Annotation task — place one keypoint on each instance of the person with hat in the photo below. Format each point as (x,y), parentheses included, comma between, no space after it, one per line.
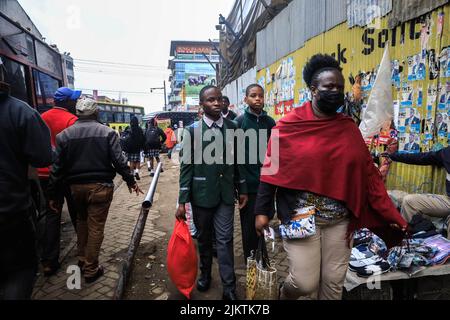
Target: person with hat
(59,118)
(88,156)
(24,142)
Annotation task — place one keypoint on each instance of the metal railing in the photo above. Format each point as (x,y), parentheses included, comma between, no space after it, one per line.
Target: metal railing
(136,237)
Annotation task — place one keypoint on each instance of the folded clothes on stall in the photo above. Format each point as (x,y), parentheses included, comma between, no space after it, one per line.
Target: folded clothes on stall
(361,252)
(422,227)
(362,236)
(442,247)
(365,259)
(377,268)
(370,255)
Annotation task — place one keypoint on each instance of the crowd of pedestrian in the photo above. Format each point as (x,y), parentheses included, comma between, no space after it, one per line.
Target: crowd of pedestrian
(76,159)
(312,161)
(317,164)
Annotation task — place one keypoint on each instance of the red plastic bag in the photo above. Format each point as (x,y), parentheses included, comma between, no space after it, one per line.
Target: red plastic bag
(182,259)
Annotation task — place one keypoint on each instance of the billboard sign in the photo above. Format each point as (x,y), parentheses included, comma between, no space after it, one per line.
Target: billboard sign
(197,76)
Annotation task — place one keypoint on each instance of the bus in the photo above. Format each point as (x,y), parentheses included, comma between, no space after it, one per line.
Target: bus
(34,70)
(117,116)
(181,119)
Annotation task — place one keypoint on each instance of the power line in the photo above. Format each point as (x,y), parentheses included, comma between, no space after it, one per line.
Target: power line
(98,62)
(118,72)
(122,91)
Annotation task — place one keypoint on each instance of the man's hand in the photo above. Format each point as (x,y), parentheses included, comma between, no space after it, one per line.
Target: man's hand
(181,212)
(243,201)
(135,188)
(55,206)
(261,223)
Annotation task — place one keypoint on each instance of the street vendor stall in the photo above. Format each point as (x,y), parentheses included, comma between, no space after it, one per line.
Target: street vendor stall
(417,269)
(381,287)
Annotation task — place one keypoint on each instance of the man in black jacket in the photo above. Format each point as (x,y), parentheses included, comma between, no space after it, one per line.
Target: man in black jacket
(432,205)
(24,141)
(88,157)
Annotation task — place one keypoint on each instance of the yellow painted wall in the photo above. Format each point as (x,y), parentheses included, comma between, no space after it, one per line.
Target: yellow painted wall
(350,45)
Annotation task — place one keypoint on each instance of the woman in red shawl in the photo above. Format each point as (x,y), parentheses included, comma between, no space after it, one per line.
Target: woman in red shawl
(318,159)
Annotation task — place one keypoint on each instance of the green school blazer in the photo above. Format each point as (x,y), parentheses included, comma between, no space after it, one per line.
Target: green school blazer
(207,185)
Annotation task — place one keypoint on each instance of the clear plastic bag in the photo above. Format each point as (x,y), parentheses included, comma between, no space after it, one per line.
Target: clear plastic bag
(262,280)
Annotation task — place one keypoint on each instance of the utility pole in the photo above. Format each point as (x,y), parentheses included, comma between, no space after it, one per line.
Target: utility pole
(165,93)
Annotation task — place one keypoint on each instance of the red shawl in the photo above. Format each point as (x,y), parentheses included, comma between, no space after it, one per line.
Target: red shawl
(329,157)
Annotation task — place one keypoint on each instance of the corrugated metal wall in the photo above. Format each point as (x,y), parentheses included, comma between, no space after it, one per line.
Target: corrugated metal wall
(299,22)
(360,12)
(287,36)
(236,89)
(350,45)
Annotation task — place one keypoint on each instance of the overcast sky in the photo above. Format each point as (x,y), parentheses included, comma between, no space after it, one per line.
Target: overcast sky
(132,32)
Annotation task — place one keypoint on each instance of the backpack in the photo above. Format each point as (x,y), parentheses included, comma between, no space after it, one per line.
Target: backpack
(125,141)
(153,138)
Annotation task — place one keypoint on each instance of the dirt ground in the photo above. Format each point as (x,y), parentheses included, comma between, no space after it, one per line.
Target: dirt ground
(149,279)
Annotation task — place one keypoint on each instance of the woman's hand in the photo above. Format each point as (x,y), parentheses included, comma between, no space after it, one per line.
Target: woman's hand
(261,223)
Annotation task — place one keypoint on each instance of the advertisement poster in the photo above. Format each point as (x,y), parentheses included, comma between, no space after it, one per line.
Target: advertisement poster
(197,76)
(413,121)
(396,73)
(396,113)
(433,64)
(417,67)
(304,95)
(407,94)
(444,62)
(410,143)
(420,96)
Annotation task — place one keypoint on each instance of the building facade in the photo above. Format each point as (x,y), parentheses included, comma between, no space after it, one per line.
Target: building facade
(69,72)
(356,33)
(34,69)
(193,65)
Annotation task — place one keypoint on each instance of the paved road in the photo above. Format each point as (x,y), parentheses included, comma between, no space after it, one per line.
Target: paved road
(122,218)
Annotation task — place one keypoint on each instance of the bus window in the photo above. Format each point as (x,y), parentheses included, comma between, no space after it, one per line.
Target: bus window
(105,117)
(127,118)
(118,117)
(102,117)
(46,87)
(15,76)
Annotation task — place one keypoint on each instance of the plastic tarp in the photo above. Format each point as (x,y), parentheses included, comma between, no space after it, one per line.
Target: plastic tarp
(239,52)
(405,10)
(380,107)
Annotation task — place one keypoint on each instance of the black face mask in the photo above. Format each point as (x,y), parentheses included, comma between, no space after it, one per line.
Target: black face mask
(330,101)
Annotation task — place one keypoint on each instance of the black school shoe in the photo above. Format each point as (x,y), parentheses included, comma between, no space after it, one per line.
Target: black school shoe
(204,283)
(230,296)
